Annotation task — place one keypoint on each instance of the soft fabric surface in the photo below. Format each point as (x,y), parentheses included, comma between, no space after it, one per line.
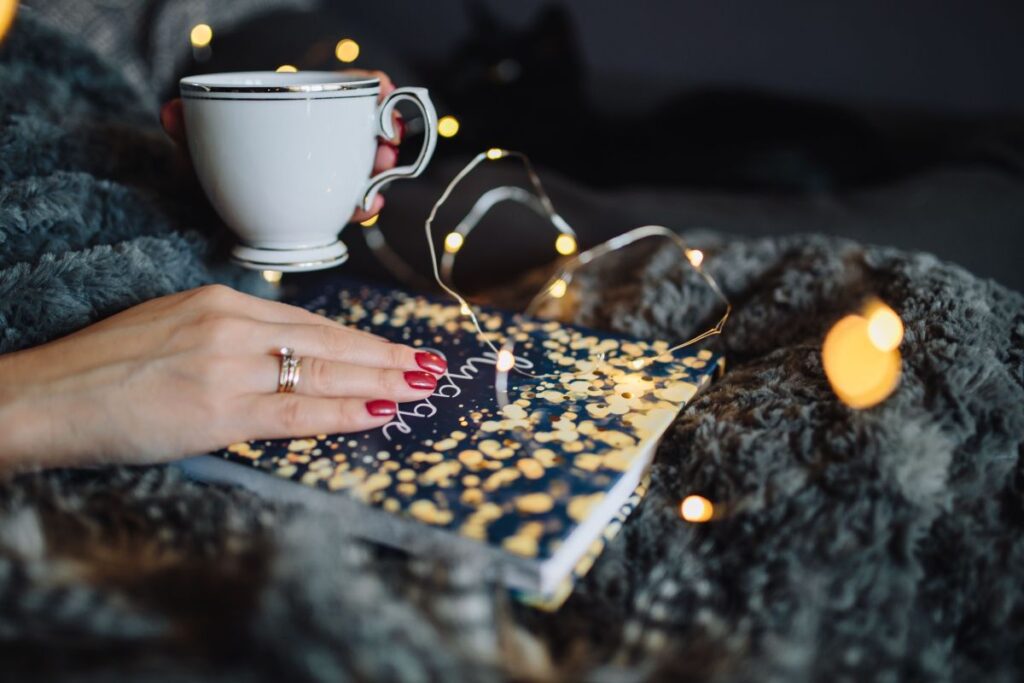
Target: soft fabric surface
(880,544)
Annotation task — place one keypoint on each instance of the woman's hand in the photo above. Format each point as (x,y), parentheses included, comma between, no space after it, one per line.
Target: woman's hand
(173,120)
(195,371)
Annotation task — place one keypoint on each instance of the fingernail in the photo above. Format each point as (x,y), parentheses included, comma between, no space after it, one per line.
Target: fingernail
(420,380)
(381,408)
(400,129)
(431,361)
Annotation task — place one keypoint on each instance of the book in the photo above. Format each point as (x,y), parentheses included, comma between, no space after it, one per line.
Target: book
(534,470)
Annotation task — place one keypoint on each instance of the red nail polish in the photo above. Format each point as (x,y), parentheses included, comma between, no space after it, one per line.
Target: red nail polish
(381,408)
(418,379)
(431,361)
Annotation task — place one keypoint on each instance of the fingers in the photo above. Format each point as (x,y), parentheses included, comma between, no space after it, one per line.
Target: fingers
(386,158)
(277,416)
(359,216)
(340,345)
(172,118)
(325,378)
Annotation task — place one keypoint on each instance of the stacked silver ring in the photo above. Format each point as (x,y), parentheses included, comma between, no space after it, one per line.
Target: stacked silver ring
(288,375)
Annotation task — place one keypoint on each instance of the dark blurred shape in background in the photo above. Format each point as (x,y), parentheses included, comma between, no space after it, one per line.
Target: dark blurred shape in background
(896,123)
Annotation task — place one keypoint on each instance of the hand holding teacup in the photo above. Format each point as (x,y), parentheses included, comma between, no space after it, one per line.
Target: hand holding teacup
(285,158)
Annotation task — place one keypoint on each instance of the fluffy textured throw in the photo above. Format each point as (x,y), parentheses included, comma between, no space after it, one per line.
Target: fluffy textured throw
(855,545)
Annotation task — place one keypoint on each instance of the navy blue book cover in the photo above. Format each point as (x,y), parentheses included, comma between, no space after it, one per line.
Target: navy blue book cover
(518,466)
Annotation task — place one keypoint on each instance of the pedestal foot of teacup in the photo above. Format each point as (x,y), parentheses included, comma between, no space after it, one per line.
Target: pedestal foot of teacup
(290,260)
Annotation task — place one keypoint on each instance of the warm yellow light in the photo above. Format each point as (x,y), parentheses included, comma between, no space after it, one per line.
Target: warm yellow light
(453,242)
(638,363)
(565,245)
(8,8)
(371,221)
(447,126)
(272,276)
(558,288)
(696,509)
(696,257)
(201,35)
(464,309)
(885,329)
(861,374)
(347,50)
(495,153)
(506,361)
(286,69)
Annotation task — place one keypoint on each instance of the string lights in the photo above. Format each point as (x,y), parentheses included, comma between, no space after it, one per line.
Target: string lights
(201,35)
(565,244)
(447,126)
(861,355)
(8,8)
(346,51)
(696,509)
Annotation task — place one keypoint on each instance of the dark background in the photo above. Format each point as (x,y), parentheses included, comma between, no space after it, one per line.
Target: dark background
(893,123)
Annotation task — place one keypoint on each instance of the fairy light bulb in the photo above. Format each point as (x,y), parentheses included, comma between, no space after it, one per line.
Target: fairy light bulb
(447,126)
(464,309)
(371,221)
(286,69)
(885,329)
(505,361)
(453,242)
(860,372)
(347,50)
(565,245)
(201,35)
(272,276)
(8,8)
(695,256)
(495,153)
(558,288)
(696,509)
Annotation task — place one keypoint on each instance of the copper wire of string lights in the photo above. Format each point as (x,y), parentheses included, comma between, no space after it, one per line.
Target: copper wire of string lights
(556,284)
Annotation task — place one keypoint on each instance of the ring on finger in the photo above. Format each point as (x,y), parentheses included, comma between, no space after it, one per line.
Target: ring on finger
(289,371)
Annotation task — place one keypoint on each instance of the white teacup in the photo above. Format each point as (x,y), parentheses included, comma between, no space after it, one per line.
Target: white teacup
(286,158)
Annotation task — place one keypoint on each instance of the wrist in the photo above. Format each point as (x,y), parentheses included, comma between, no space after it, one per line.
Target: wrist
(23,424)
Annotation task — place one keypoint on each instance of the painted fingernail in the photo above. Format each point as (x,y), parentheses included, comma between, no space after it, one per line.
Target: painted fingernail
(418,379)
(381,408)
(431,361)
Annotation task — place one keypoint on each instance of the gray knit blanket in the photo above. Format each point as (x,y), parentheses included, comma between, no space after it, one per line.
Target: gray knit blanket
(883,544)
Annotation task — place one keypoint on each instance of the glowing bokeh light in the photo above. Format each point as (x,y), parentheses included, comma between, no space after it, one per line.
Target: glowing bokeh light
(453,242)
(558,288)
(347,50)
(272,276)
(201,35)
(371,221)
(505,361)
(861,374)
(464,309)
(286,69)
(447,126)
(8,8)
(696,509)
(885,329)
(565,245)
(495,153)
(696,257)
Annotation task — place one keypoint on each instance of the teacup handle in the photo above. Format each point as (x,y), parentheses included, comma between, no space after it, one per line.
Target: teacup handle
(386,129)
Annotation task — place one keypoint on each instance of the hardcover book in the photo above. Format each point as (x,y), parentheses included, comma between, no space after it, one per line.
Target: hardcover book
(535,469)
